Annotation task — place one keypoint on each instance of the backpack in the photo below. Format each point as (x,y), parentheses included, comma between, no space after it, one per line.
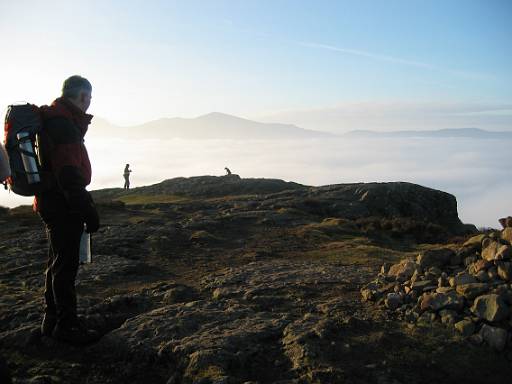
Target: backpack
(23,142)
(5,168)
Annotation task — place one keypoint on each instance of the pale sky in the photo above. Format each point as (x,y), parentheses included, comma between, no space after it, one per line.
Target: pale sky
(330,65)
(326,65)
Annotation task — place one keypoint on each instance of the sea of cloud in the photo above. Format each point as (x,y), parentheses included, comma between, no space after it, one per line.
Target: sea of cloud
(477,172)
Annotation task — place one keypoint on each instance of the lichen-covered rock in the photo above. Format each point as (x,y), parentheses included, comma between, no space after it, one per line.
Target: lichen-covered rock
(490,307)
(495,337)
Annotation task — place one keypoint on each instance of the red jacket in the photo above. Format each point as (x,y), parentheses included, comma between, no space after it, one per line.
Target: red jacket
(67,158)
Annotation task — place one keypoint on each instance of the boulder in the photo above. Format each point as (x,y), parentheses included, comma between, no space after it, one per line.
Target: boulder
(504,252)
(480,265)
(504,270)
(482,276)
(426,318)
(437,301)
(490,307)
(494,250)
(385,268)
(369,294)
(472,290)
(489,249)
(492,273)
(468,260)
(423,285)
(461,279)
(506,222)
(456,259)
(435,258)
(466,327)
(448,316)
(402,271)
(495,337)
(444,289)
(393,301)
(506,234)
(474,242)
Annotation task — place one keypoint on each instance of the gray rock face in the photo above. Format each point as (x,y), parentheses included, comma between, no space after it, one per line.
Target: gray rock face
(490,307)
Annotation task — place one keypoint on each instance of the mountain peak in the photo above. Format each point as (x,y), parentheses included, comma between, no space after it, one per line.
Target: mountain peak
(217,116)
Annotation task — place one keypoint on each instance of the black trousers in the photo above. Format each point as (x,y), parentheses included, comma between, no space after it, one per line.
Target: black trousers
(64,234)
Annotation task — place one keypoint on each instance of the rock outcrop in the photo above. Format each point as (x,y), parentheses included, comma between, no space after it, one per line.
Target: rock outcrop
(426,209)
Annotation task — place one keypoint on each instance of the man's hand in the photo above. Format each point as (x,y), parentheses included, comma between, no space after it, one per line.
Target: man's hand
(92,220)
(80,201)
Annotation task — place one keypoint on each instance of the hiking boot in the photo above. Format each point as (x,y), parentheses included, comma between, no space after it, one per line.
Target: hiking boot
(48,324)
(75,333)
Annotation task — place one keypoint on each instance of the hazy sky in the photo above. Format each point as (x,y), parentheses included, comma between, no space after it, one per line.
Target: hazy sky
(332,65)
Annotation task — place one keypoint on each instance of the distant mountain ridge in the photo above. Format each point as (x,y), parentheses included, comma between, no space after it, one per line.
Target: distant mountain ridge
(214,125)
(222,126)
(474,133)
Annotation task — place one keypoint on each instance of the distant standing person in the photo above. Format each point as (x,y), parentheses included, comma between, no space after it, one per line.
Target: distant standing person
(228,172)
(126,176)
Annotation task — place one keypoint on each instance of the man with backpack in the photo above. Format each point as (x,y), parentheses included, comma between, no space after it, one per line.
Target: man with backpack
(66,207)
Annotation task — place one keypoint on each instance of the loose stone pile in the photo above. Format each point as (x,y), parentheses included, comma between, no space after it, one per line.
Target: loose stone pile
(469,289)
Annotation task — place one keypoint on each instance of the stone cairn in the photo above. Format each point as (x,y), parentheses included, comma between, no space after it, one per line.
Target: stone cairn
(469,289)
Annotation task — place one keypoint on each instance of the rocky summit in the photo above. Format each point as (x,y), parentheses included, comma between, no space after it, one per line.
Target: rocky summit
(229,280)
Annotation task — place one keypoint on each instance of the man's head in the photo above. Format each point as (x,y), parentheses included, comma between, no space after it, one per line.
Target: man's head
(78,90)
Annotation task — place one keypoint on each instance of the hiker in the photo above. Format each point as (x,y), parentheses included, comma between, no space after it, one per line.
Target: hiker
(126,176)
(66,207)
(228,171)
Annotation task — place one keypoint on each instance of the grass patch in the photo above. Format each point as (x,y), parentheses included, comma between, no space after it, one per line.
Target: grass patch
(356,251)
(328,227)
